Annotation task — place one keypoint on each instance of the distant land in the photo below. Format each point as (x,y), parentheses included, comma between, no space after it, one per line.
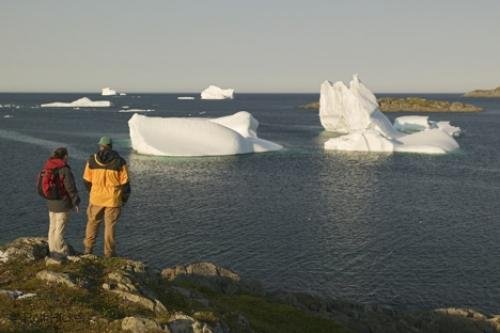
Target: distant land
(484,93)
(414,104)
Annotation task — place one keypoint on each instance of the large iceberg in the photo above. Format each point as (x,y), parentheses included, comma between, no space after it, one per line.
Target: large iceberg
(354,112)
(214,92)
(230,135)
(83,102)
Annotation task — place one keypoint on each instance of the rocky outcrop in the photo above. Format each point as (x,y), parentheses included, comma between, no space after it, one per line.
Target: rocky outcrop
(58,278)
(140,325)
(212,276)
(196,298)
(180,323)
(25,249)
(131,281)
(414,104)
(419,104)
(201,269)
(374,318)
(484,93)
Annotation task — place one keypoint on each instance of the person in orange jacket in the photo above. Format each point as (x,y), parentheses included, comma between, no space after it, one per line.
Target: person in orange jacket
(106,177)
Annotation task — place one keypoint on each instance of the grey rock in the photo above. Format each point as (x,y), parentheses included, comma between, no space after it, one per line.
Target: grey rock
(15,294)
(49,261)
(182,323)
(25,249)
(91,257)
(212,276)
(140,325)
(204,269)
(74,259)
(151,304)
(130,287)
(59,278)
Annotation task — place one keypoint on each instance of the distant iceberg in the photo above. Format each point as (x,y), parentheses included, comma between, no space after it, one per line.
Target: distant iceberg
(83,102)
(230,135)
(185,97)
(214,92)
(108,92)
(354,112)
(135,110)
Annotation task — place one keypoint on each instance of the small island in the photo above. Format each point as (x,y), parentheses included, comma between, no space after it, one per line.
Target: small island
(414,104)
(484,93)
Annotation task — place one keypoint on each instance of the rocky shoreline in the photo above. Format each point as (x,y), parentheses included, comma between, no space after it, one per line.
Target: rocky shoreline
(484,93)
(414,104)
(86,293)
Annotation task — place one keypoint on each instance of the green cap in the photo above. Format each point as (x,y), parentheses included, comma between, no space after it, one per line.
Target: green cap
(105,140)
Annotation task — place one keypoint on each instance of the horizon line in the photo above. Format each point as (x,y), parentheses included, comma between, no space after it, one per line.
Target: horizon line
(198,93)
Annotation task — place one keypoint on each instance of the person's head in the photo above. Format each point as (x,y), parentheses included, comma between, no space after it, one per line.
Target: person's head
(105,142)
(60,153)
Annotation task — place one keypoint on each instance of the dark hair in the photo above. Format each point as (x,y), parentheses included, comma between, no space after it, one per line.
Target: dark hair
(60,152)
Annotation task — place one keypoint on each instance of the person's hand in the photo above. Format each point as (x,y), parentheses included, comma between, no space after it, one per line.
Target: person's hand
(77,209)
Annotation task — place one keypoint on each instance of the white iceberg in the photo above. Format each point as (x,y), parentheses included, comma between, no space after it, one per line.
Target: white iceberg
(354,111)
(214,92)
(108,92)
(185,97)
(230,135)
(411,124)
(83,102)
(123,94)
(8,116)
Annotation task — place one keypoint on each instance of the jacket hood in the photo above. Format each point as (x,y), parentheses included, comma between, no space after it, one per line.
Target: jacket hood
(106,156)
(53,163)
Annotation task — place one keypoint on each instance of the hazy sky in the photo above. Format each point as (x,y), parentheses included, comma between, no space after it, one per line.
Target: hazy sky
(252,46)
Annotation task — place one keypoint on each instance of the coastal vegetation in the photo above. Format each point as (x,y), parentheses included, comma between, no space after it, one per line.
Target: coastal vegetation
(86,293)
(414,104)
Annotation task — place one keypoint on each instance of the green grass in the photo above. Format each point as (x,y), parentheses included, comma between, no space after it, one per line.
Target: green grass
(272,317)
(58,308)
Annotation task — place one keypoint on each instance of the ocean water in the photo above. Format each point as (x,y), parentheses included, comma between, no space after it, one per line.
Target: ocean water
(411,231)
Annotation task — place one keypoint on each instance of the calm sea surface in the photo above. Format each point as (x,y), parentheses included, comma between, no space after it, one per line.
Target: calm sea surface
(412,231)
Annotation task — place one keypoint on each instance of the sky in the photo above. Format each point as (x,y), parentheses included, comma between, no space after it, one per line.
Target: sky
(252,46)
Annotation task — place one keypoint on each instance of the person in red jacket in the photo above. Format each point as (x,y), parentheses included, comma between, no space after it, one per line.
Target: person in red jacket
(61,206)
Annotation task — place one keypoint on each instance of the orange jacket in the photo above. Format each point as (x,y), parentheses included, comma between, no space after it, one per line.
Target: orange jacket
(106,176)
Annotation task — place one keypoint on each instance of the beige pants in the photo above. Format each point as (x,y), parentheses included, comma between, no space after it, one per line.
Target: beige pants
(96,215)
(57,245)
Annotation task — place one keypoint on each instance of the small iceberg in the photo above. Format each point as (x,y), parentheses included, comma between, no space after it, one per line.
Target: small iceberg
(230,135)
(108,92)
(8,116)
(411,124)
(83,102)
(214,92)
(354,112)
(185,97)
(135,110)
